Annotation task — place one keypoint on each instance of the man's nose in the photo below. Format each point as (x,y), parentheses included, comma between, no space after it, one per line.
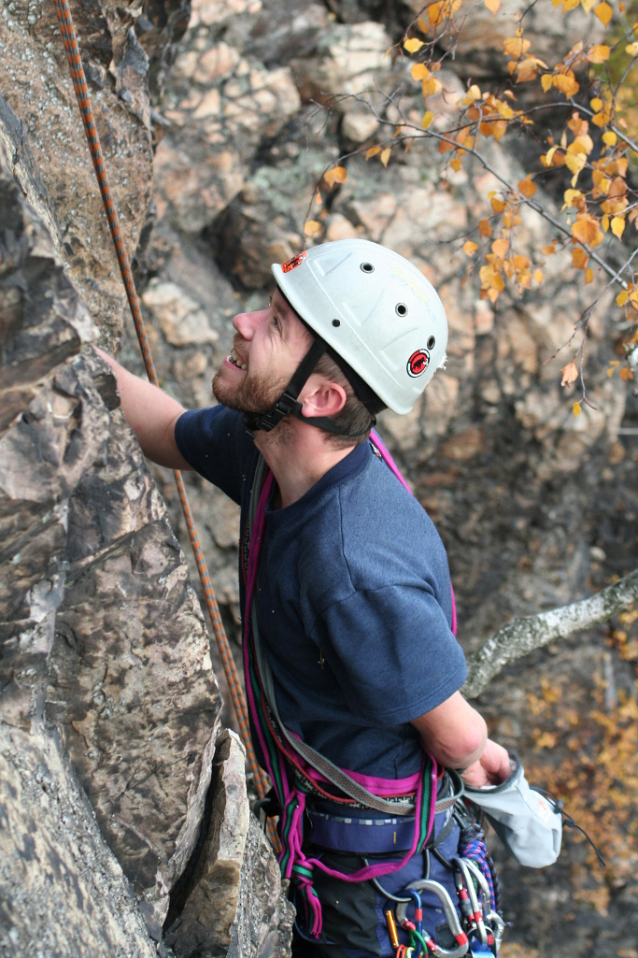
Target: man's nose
(247,323)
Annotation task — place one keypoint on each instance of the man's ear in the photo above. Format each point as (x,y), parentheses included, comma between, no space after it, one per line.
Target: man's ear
(320,397)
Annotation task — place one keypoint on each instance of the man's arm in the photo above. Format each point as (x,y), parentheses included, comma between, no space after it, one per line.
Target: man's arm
(455,734)
(151,414)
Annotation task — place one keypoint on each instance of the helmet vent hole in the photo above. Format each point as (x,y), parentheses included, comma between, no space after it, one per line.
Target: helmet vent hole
(431,342)
(336,322)
(401,309)
(367,268)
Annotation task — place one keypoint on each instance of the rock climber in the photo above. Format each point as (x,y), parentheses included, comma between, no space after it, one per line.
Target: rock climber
(354,658)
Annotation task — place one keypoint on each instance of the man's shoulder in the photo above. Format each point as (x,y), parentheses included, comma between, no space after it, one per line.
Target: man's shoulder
(379,508)
(214,442)
(373,534)
(211,421)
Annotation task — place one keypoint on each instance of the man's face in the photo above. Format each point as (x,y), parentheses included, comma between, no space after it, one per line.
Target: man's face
(268,346)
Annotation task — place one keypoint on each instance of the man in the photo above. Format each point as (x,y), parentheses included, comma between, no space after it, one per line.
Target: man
(353,599)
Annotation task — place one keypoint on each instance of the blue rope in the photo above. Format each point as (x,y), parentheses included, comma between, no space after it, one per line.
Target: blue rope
(472,845)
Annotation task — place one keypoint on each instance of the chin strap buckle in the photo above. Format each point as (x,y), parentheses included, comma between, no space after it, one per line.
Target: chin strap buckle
(282,408)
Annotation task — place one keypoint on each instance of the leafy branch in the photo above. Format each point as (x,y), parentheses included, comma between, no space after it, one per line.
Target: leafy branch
(594,144)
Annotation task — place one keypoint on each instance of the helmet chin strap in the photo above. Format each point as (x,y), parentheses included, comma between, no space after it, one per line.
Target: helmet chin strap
(287,402)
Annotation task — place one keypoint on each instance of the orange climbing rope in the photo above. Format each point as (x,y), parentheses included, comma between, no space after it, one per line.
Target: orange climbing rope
(84,101)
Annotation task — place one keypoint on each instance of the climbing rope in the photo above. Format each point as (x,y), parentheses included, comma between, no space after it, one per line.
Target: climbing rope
(84,102)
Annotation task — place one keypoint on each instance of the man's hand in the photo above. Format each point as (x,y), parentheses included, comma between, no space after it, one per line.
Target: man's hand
(151,413)
(491,768)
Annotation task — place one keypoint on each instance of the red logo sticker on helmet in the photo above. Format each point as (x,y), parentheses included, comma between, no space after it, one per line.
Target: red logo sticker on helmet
(294,262)
(418,363)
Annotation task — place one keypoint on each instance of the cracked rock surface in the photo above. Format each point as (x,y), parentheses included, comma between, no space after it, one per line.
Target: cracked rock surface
(62,891)
(102,635)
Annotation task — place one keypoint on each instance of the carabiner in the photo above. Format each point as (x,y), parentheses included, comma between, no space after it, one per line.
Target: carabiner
(494,919)
(477,910)
(392,928)
(418,909)
(486,896)
(428,884)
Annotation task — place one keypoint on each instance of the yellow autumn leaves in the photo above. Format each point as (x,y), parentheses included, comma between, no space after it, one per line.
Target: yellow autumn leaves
(332,177)
(593,148)
(384,155)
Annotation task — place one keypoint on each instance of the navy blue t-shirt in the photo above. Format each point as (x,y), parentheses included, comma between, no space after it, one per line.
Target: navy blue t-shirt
(354,600)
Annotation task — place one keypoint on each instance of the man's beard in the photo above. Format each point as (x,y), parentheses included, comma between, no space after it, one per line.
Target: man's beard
(253,394)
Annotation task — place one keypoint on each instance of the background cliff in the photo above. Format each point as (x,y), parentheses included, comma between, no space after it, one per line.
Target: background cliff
(214,127)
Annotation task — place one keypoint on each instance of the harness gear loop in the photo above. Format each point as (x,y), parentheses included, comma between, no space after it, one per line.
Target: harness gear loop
(84,102)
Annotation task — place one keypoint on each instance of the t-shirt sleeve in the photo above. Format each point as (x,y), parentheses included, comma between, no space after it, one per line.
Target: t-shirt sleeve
(214,442)
(392,652)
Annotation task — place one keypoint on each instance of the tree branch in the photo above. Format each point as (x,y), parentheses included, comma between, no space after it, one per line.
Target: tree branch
(419,133)
(524,634)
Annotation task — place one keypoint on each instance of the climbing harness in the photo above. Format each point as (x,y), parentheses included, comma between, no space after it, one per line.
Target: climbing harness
(479,931)
(84,102)
(297,770)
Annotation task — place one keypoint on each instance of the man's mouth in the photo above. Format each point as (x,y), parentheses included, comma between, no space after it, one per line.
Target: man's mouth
(235,360)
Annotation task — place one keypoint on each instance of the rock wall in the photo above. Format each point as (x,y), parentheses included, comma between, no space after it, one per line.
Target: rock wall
(61,891)
(105,665)
(102,634)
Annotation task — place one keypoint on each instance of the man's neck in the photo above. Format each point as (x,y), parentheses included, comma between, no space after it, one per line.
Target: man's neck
(298,457)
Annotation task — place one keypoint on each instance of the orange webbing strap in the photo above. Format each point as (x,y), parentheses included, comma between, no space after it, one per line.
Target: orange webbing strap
(84,101)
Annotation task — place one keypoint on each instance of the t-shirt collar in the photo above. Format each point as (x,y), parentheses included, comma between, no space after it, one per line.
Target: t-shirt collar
(347,468)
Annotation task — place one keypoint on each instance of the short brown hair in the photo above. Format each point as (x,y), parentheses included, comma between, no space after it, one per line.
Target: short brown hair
(354,419)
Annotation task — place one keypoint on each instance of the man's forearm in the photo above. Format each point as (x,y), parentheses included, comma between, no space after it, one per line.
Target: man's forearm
(454,733)
(151,413)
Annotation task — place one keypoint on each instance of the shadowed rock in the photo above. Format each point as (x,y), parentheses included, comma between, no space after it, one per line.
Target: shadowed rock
(233,897)
(62,892)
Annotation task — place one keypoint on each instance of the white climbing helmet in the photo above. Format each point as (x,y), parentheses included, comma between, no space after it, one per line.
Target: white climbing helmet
(375,309)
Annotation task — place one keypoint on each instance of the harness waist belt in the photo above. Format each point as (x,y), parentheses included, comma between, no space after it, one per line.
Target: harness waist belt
(365,836)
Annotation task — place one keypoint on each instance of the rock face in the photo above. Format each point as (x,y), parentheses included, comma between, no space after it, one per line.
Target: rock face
(102,637)
(61,891)
(102,634)
(37,85)
(234,903)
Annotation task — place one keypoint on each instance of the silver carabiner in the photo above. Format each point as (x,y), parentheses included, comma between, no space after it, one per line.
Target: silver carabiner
(492,919)
(428,884)
(496,923)
(486,897)
(461,864)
